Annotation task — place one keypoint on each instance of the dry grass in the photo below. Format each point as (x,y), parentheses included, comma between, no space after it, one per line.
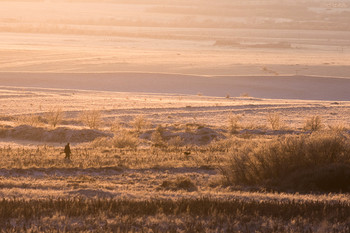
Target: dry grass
(157,214)
(155,178)
(108,152)
(176,142)
(31,120)
(115,125)
(188,215)
(181,183)
(234,123)
(125,139)
(91,118)
(140,123)
(157,137)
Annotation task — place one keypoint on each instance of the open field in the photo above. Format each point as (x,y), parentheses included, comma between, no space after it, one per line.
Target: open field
(181,181)
(183,116)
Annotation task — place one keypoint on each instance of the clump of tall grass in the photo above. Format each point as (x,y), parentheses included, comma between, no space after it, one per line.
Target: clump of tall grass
(273,162)
(234,123)
(180,183)
(101,142)
(139,123)
(3,131)
(157,137)
(115,125)
(124,139)
(314,123)
(338,127)
(176,142)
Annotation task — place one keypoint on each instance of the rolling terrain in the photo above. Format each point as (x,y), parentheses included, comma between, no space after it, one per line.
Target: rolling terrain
(183,116)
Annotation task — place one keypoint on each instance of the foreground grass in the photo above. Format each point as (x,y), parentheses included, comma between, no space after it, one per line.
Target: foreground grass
(248,161)
(184,215)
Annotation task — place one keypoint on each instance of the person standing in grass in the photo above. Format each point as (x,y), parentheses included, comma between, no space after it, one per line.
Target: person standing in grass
(67,151)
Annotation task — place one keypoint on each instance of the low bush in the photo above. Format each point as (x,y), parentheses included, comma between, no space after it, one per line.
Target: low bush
(176,142)
(125,139)
(139,123)
(91,118)
(54,117)
(275,120)
(272,163)
(314,123)
(234,123)
(157,137)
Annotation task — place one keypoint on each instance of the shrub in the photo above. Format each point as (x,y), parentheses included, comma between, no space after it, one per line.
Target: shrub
(275,120)
(176,142)
(314,123)
(274,161)
(54,116)
(157,137)
(139,123)
(125,140)
(233,123)
(91,118)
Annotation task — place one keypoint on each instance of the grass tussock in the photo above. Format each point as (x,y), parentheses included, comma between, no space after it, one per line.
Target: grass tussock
(157,137)
(124,139)
(234,123)
(140,123)
(181,183)
(277,161)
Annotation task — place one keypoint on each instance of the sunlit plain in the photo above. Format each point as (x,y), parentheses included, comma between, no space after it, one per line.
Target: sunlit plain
(183,116)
